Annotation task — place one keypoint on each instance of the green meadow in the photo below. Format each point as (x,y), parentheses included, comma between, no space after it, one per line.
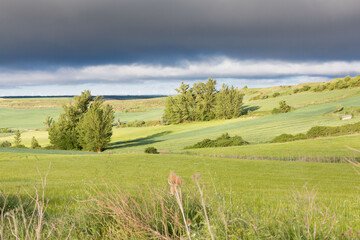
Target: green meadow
(261,181)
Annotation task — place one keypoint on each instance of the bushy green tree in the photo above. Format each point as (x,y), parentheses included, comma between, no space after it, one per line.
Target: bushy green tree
(228,103)
(95,126)
(202,102)
(67,134)
(205,100)
(63,133)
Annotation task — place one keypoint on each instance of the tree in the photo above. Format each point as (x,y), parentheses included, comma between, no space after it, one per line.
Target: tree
(284,108)
(17,138)
(48,121)
(34,143)
(63,134)
(85,125)
(205,99)
(95,126)
(228,103)
(202,102)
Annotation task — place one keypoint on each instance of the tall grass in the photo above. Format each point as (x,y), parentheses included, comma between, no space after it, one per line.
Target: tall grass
(174,214)
(186,210)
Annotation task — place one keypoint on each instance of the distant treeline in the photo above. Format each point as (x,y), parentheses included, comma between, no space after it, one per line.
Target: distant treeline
(319,131)
(203,102)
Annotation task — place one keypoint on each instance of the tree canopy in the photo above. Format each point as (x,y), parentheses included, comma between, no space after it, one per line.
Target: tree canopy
(203,102)
(86,124)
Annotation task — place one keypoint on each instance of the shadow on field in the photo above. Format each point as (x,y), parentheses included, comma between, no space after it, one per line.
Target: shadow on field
(139,141)
(248,109)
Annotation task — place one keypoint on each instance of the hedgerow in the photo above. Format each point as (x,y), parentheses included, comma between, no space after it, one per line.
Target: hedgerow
(223,141)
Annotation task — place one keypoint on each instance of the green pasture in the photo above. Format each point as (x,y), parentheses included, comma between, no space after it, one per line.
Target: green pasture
(249,180)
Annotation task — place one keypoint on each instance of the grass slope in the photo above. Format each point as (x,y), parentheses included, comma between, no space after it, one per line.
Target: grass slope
(257,130)
(254,130)
(299,99)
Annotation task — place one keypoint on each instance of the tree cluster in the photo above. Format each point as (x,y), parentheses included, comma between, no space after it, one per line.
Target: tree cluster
(203,102)
(85,125)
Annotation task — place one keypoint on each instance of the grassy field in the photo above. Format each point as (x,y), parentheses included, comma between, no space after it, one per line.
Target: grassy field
(299,99)
(34,118)
(311,149)
(261,192)
(249,179)
(254,130)
(26,118)
(174,138)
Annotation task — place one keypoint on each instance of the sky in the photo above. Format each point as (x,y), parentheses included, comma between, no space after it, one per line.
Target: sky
(132,47)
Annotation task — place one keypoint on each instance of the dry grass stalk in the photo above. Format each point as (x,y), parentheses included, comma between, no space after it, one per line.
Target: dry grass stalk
(133,218)
(316,217)
(175,189)
(32,225)
(2,215)
(196,179)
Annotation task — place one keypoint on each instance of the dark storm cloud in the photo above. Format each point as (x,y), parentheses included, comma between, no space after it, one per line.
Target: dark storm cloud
(98,32)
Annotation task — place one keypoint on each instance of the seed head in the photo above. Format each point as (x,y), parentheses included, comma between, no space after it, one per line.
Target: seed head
(172,178)
(178,181)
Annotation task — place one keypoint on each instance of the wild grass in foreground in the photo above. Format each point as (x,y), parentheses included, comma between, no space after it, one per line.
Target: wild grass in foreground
(193,210)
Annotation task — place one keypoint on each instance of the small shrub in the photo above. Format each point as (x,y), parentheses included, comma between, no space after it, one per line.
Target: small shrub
(5,130)
(49,147)
(34,143)
(260,96)
(5,144)
(288,138)
(275,94)
(305,88)
(151,150)
(283,108)
(17,138)
(223,141)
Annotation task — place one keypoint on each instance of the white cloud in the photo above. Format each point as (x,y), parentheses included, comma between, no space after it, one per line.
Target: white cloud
(259,72)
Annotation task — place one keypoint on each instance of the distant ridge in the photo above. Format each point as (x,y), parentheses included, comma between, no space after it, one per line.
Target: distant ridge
(107,97)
